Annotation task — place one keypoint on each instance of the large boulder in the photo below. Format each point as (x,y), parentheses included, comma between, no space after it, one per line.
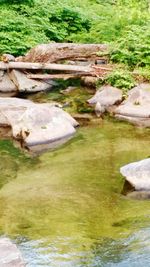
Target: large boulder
(138,174)
(36,125)
(24,84)
(10,256)
(7,87)
(136,108)
(107,96)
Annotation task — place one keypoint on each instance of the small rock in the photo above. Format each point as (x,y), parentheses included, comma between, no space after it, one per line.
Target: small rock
(89,81)
(99,109)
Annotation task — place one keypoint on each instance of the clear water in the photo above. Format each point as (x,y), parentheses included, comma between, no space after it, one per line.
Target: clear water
(65,208)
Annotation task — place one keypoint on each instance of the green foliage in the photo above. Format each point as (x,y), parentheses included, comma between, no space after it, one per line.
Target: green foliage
(121,79)
(24,25)
(142,74)
(28,2)
(133,48)
(65,21)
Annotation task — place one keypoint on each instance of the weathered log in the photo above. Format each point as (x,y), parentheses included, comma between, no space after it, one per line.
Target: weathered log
(55,76)
(95,70)
(55,52)
(43,66)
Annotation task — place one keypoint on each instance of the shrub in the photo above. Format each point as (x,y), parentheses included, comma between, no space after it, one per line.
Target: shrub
(121,79)
(23,26)
(133,48)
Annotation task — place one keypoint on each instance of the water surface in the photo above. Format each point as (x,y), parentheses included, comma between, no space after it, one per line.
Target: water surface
(65,208)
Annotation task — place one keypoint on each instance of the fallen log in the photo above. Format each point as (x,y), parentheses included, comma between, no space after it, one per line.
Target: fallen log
(55,52)
(52,66)
(56,76)
(43,66)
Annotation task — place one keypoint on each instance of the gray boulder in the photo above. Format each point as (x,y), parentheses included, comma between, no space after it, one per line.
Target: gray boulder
(7,87)
(24,84)
(138,174)
(10,256)
(36,124)
(136,108)
(107,96)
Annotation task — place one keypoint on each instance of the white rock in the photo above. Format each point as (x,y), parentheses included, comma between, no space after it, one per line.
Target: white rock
(99,109)
(138,174)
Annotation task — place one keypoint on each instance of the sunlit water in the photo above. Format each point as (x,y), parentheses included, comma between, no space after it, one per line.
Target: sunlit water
(65,208)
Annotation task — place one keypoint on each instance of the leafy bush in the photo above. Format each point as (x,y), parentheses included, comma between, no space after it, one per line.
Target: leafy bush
(28,2)
(142,74)
(121,79)
(134,47)
(23,26)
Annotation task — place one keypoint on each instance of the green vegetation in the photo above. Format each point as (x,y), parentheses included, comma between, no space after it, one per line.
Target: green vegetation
(121,79)
(123,24)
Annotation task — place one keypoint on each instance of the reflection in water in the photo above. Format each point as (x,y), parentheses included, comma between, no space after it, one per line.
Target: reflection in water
(66,207)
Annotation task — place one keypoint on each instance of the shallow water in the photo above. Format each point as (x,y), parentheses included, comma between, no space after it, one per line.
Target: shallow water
(65,208)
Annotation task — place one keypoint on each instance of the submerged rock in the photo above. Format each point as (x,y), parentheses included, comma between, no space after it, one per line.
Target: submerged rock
(139,195)
(138,174)
(10,256)
(36,124)
(136,108)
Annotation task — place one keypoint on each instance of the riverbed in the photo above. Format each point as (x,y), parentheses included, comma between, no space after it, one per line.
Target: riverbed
(64,208)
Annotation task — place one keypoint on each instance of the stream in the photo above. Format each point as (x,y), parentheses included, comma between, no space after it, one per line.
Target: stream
(64,208)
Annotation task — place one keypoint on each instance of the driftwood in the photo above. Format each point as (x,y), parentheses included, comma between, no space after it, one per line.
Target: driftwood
(55,52)
(43,66)
(93,70)
(55,76)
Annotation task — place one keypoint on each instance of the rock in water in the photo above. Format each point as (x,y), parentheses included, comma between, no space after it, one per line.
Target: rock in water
(136,108)
(36,125)
(107,96)
(138,174)
(10,256)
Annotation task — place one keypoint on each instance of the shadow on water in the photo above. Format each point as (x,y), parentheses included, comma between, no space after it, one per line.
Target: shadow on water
(11,159)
